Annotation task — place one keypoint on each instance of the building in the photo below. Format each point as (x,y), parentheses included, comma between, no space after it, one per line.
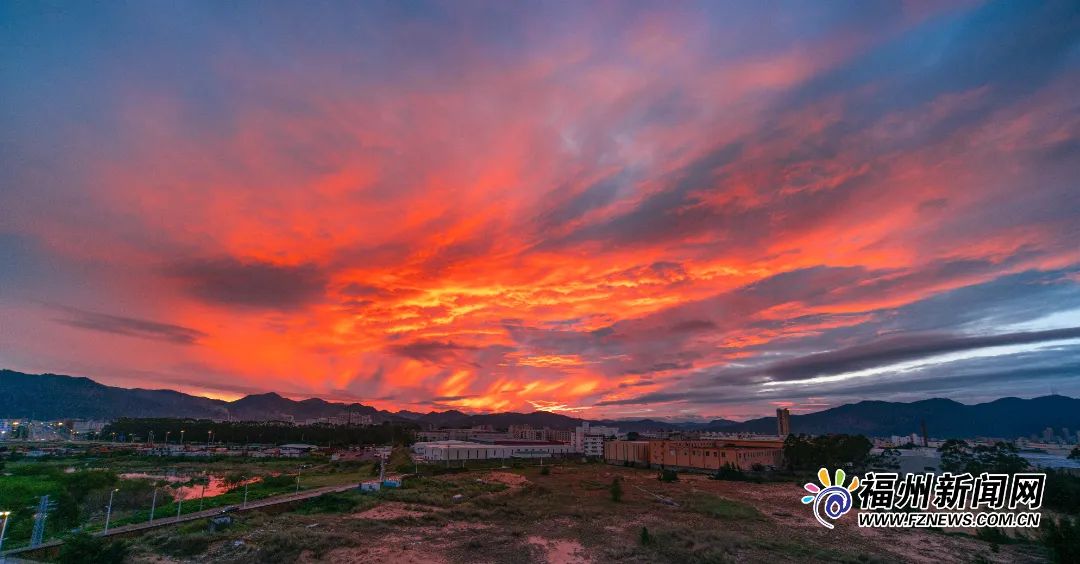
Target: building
(714,454)
(783,422)
(466,450)
(589,440)
(459,435)
(706,455)
(627,453)
(558,435)
(526,432)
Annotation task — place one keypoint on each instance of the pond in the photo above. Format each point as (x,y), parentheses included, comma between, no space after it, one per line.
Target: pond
(181,488)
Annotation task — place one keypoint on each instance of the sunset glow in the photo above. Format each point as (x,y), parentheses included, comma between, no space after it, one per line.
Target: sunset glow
(656,211)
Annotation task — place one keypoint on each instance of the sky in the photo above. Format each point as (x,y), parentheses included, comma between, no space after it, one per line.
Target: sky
(603,209)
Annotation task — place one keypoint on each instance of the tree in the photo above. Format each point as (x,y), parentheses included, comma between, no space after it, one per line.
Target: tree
(889,459)
(802,452)
(955,455)
(84,548)
(1062,537)
(1075,454)
(1002,458)
(616,489)
(645,538)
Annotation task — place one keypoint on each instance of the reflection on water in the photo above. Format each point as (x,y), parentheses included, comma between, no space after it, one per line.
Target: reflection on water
(180,486)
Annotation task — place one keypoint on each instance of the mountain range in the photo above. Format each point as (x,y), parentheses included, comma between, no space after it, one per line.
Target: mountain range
(52,396)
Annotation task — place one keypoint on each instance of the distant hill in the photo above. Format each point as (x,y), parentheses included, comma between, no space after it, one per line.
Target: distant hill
(1006,418)
(52,396)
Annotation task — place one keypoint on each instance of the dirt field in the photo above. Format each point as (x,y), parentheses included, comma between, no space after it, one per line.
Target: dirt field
(568,517)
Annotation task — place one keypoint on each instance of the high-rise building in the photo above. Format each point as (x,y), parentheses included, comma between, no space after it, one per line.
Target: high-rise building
(589,439)
(1048,434)
(783,422)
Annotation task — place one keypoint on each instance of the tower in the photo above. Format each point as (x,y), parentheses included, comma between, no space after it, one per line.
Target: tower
(783,422)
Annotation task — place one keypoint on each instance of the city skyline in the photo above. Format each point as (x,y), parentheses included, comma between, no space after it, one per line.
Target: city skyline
(656,211)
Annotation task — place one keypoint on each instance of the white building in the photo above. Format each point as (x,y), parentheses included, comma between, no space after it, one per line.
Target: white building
(589,440)
(466,450)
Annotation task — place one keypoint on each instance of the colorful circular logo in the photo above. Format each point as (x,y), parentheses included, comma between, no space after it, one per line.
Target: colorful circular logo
(832,499)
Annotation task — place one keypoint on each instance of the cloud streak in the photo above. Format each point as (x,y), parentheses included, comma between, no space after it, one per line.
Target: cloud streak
(127,326)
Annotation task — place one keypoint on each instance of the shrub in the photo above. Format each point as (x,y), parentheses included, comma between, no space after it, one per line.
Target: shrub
(731,473)
(1062,537)
(668,476)
(84,548)
(616,490)
(545,470)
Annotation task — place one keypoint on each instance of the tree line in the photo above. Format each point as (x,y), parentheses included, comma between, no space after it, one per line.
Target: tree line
(203,431)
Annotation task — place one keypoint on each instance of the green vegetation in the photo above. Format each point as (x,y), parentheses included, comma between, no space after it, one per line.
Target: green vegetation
(440,492)
(1062,492)
(246,432)
(804,453)
(1062,538)
(80,487)
(722,508)
(958,456)
(616,489)
(667,475)
(83,548)
(1075,454)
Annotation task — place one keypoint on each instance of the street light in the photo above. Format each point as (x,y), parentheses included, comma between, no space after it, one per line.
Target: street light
(3,529)
(108,514)
(167,436)
(153,505)
(182,437)
(209,435)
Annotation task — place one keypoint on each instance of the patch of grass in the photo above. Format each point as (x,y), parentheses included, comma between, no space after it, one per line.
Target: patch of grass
(441,492)
(285,547)
(336,503)
(803,552)
(692,547)
(723,508)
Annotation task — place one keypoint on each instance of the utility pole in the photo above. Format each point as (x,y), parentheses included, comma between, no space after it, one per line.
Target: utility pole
(202,495)
(245,492)
(153,505)
(298,478)
(179,501)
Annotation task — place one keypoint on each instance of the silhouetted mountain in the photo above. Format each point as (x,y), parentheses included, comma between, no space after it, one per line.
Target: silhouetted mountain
(273,406)
(51,396)
(1006,418)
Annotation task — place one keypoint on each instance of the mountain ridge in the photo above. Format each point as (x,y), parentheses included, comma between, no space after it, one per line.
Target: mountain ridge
(55,396)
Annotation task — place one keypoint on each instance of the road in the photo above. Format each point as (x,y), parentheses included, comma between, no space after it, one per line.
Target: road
(258,504)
